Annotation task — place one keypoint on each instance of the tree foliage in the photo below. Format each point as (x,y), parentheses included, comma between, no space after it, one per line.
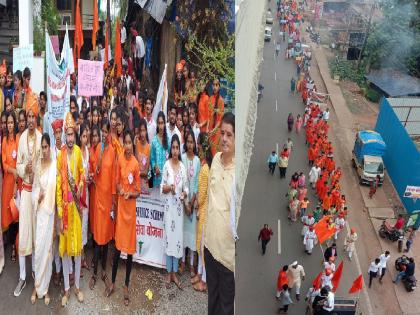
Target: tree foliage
(45,11)
(395,40)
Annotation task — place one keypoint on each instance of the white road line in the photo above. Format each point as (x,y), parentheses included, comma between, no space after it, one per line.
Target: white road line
(277,148)
(359,269)
(275,76)
(279,235)
(276,105)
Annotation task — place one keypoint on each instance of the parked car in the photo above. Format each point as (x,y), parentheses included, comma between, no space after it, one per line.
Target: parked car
(267,34)
(269,18)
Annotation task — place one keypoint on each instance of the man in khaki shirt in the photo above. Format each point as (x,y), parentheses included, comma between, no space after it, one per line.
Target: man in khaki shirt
(220,231)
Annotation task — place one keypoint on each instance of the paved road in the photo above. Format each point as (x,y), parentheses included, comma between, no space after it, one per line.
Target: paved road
(264,199)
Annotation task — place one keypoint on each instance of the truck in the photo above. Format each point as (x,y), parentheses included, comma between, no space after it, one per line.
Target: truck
(369,148)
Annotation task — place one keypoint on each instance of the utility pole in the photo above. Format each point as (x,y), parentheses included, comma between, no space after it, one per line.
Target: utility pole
(372,10)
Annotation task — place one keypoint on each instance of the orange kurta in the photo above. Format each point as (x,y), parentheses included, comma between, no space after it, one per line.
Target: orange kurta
(215,138)
(203,111)
(128,177)
(8,156)
(105,188)
(144,162)
(93,160)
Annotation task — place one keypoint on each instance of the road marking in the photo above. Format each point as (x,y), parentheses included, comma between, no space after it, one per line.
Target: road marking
(279,232)
(276,105)
(275,76)
(359,269)
(277,148)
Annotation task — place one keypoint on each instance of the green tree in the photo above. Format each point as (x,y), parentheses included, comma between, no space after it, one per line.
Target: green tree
(48,15)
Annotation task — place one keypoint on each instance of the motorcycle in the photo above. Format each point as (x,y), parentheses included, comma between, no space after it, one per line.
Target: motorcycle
(410,282)
(260,92)
(387,231)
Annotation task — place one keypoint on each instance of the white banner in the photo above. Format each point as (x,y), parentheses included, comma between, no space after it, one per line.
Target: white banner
(162,96)
(412,192)
(23,57)
(149,230)
(58,79)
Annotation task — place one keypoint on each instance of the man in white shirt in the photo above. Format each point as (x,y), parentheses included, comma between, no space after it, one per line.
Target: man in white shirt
(329,302)
(123,34)
(373,270)
(151,124)
(171,128)
(125,78)
(326,114)
(383,261)
(295,275)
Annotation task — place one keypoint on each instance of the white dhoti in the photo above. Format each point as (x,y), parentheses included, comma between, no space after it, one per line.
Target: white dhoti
(27,220)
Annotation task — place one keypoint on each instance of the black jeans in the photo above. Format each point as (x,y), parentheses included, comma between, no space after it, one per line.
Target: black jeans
(282,172)
(103,250)
(12,233)
(220,285)
(371,276)
(383,273)
(264,245)
(128,266)
(272,167)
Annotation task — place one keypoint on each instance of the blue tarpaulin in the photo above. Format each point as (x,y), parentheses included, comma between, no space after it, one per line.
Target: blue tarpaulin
(369,143)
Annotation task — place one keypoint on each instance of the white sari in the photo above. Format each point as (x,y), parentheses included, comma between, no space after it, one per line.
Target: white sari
(45,180)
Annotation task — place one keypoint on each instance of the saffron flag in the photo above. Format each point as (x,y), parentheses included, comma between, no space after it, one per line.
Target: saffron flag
(106,45)
(95,25)
(118,56)
(337,276)
(317,281)
(357,285)
(162,96)
(78,34)
(323,230)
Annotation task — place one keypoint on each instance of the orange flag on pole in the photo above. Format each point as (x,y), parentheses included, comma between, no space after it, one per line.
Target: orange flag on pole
(317,281)
(95,25)
(106,45)
(357,285)
(118,56)
(337,276)
(323,229)
(78,34)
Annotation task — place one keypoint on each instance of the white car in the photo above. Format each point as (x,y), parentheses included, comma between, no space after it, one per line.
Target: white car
(269,18)
(267,34)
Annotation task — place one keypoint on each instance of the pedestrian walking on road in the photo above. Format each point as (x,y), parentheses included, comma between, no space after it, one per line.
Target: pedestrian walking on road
(314,174)
(277,49)
(373,270)
(340,222)
(283,163)
(303,203)
(383,264)
(309,240)
(286,300)
(272,161)
(330,264)
(293,209)
(289,146)
(290,122)
(264,237)
(330,251)
(293,86)
(296,274)
(282,280)
(310,297)
(350,243)
(298,123)
(326,278)
(410,238)
(374,185)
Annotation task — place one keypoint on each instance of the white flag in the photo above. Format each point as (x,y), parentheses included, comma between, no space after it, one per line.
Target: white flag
(161,97)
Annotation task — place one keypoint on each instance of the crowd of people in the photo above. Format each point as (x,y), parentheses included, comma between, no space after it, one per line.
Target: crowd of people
(74,181)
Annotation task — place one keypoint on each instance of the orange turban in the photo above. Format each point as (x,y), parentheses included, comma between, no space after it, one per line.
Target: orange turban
(58,123)
(69,122)
(179,66)
(31,103)
(3,68)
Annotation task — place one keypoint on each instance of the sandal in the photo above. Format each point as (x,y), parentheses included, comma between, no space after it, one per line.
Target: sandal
(85,265)
(47,299)
(56,279)
(126,297)
(92,282)
(65,299)
(195,279)
(79,295)
(105,279)
(200,287)
(109,291)
(33,297)
(178,284)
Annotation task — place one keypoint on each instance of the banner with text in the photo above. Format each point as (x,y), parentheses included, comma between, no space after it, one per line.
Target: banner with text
(23,57)
(149,230)
(90,78)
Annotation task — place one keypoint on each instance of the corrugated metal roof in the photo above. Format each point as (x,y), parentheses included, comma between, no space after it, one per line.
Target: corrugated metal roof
(408,112)
(395,83)
(406,101)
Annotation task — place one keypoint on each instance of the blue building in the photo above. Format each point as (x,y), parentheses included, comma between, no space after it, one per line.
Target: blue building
(399,123)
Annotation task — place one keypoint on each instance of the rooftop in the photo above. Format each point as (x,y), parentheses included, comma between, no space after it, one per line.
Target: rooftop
(394,83)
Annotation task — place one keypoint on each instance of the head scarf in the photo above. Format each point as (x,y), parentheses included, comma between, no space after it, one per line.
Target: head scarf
(58,123)
(69,122)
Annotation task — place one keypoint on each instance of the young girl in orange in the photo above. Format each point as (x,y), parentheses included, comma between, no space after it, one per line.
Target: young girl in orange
(128,189)
(143,155)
